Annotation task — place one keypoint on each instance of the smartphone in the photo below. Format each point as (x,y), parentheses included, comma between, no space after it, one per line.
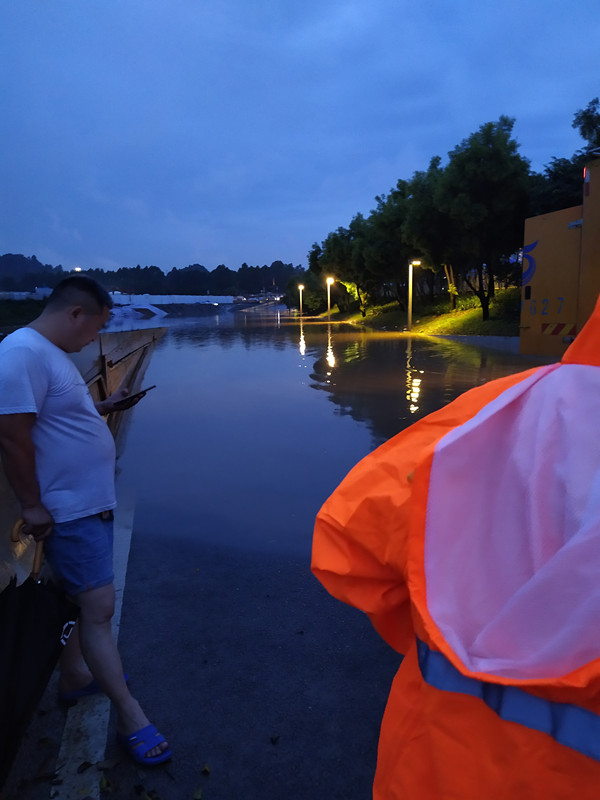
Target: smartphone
(132,399)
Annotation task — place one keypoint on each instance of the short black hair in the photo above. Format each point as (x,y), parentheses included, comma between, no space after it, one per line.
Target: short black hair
(79,290)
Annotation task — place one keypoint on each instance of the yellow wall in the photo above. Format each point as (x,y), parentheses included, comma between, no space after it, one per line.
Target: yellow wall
(589,281)
(549,297)
(561,272)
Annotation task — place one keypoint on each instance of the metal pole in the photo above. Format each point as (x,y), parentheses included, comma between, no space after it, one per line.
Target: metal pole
(329,282)
(410,283)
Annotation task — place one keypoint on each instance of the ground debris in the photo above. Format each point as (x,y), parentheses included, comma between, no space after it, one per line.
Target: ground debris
(109,763)
(47,769)
(146,794)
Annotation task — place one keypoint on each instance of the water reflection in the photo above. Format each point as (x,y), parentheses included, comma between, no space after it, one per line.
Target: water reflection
(388,381)
(413,383)
(383,380)
(330,356)
(256,418)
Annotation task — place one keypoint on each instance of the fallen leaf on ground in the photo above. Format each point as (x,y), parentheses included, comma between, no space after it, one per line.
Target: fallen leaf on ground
(106,785)
(109,763)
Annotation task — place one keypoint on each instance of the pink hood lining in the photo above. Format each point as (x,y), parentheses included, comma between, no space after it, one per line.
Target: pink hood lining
(512,547)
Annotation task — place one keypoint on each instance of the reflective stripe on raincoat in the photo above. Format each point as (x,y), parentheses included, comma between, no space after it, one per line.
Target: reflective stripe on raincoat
(472,541)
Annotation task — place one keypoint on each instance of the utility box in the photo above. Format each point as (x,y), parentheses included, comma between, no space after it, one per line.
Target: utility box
(561,272)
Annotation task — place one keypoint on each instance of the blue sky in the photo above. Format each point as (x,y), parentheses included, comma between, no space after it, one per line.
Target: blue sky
(172,132)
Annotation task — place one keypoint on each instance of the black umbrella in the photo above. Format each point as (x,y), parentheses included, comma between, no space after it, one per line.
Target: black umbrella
(35,621)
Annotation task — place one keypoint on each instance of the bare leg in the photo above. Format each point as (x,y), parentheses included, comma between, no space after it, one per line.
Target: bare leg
(98,650)
(74,672)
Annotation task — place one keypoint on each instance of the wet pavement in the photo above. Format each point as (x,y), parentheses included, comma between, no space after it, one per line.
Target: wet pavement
(264,685)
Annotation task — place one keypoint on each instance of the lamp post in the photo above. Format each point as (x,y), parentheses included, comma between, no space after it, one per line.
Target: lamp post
(411,264)
(300,289)
(329,282)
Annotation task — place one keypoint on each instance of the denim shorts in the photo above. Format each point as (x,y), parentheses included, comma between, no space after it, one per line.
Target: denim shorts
(80,553)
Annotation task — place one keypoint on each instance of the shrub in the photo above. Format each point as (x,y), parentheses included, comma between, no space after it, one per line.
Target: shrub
(507,303)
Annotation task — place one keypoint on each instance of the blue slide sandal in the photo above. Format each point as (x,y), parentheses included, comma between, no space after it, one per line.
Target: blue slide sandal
(140,742)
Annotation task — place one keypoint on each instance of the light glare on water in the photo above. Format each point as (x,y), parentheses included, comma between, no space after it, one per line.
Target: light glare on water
(255,420)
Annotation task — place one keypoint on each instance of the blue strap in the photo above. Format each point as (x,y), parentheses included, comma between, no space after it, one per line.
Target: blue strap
(569,725)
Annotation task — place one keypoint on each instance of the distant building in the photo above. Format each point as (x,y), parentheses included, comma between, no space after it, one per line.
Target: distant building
(39,293)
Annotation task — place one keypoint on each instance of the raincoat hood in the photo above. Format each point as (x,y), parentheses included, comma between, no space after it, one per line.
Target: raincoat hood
(513,584)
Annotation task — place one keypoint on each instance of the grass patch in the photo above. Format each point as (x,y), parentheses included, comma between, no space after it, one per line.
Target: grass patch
(440,320)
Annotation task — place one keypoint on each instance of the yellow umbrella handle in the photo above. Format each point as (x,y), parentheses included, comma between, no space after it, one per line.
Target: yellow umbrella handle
(15,532)
(38,556)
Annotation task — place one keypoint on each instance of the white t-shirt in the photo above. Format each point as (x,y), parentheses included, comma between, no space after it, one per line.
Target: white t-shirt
(75,451)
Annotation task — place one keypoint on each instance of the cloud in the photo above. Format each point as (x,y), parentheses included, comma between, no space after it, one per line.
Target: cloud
(229,131)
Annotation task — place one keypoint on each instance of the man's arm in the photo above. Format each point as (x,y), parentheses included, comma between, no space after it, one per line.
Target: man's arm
(18,460)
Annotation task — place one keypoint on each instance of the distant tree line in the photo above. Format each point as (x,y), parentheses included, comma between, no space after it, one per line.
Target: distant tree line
(25,273)
(463,221)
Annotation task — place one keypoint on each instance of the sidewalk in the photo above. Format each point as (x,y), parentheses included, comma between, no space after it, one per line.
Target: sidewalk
(264,685)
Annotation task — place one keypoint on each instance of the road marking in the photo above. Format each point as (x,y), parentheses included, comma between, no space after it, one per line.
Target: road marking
(86,728)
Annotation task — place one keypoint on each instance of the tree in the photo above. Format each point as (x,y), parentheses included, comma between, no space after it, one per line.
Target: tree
(387,250)
(313,301)
(587,122)
(559,186)
(429,229)
(193,279)
(223,281)
(336,258)
(485,190)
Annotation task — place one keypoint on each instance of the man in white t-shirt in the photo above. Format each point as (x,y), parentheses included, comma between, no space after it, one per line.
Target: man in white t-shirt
(59,458)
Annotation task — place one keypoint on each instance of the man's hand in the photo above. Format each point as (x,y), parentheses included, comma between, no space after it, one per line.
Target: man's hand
(121,400)
(37,522)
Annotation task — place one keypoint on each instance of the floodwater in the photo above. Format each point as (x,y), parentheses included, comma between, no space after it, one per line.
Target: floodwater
(236,651)
(258,416)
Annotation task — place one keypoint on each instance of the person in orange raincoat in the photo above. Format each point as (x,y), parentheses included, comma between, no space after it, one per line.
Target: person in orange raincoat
(472,541)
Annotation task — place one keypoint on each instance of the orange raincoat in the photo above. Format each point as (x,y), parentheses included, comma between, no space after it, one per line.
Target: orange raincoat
(472,541)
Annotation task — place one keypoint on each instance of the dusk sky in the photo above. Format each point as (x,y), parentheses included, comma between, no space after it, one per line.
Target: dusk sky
(173,132)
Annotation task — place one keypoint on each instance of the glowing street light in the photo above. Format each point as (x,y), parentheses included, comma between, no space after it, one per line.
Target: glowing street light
(329,282)
(300,290)
(411,264)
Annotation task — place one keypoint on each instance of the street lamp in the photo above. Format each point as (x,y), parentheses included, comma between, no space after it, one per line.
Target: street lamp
(411,264)
(300,289)
(329,282)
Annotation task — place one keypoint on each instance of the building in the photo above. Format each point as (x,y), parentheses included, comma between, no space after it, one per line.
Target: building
(561,271)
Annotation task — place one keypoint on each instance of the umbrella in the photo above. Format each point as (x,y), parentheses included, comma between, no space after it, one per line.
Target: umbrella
(35,621)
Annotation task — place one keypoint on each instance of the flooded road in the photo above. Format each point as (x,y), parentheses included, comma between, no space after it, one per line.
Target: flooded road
(264,685)
(256,419)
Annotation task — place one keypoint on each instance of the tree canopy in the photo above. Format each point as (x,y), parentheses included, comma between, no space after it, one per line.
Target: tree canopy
(463,220)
